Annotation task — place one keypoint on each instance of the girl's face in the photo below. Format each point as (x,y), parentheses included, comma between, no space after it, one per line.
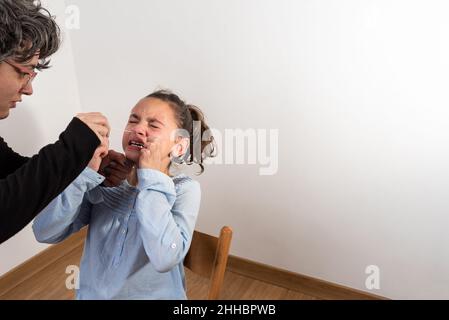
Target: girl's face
(151,119)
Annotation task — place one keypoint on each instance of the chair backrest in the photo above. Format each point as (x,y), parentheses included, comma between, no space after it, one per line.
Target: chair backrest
(208,256)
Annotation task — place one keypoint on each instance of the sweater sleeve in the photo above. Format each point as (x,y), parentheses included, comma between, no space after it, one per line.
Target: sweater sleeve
(29,189)
(167,218)
(68,212)
(10,161)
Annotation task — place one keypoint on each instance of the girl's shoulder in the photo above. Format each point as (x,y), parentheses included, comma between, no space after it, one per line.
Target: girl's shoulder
(183,182)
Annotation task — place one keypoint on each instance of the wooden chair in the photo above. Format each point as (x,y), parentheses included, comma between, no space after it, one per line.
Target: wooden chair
(208,256)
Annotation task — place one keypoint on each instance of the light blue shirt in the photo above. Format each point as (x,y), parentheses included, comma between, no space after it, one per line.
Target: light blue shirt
(137,237)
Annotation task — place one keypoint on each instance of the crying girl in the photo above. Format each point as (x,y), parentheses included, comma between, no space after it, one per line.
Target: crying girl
(139,232)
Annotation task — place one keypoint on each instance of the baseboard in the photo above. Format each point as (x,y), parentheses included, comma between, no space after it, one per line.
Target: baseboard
(297,282)
(40,261)
(283,278)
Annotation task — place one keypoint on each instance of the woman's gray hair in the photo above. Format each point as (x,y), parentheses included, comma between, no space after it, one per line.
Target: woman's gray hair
(26,28)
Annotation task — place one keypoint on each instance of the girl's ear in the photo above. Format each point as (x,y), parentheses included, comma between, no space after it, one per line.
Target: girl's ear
(180,148)
(184,145)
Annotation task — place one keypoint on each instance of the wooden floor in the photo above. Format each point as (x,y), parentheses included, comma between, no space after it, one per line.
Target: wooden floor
(49,284)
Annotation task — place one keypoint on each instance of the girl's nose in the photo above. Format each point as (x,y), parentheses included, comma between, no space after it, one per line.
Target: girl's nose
(139,130)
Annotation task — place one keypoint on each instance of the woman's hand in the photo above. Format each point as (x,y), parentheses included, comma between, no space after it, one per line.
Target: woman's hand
(97,122)
(99,154)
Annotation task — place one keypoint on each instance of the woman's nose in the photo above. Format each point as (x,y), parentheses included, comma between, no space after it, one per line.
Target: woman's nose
(28,89)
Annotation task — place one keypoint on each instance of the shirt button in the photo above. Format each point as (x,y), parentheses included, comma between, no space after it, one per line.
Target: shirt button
(123,231)
(173,246)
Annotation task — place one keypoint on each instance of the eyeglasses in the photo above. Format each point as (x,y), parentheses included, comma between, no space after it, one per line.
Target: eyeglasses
(26,74)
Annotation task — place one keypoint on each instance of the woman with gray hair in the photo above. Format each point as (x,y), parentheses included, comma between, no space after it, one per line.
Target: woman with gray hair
(28,37)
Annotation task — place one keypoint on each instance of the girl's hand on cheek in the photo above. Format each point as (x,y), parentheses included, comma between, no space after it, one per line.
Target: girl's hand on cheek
(151,158)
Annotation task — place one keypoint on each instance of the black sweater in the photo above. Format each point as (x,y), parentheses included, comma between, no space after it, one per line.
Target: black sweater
(28,185)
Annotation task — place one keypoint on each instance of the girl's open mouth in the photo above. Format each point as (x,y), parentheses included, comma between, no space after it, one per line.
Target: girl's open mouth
(137,145)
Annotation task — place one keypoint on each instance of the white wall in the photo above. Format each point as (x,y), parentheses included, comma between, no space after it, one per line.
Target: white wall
(37,122)
(358,92)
